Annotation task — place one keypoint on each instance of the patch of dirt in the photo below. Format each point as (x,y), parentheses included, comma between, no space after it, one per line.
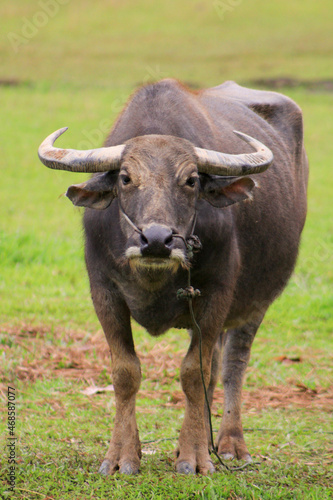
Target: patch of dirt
(38,353)
(76,355)
(278,396)
(13,82)
(54,353)
(287,82)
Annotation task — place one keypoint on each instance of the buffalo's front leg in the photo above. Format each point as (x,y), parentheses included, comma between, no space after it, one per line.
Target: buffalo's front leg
(236,354)
(193,442)
(124,452)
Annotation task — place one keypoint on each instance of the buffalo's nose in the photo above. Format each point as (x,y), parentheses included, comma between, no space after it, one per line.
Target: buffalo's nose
(156,241)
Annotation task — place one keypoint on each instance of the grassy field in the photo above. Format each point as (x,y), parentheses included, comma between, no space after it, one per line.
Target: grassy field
(70,63)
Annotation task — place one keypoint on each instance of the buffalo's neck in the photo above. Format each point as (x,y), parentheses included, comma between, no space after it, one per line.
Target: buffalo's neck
(154,304)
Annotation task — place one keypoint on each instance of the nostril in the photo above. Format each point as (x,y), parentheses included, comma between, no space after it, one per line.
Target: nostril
(168,239)
(143,239)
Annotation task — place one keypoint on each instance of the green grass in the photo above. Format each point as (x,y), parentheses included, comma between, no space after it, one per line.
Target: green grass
(78,70)
(59,459)
(122,43)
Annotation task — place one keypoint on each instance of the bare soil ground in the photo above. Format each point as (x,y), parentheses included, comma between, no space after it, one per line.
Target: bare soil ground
(41,354)
(287,82)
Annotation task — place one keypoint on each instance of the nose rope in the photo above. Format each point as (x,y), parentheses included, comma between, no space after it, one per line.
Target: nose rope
(128,220)
(192,244)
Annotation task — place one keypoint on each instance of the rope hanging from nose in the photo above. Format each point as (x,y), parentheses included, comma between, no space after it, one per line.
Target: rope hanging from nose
(193,245)
(189,293)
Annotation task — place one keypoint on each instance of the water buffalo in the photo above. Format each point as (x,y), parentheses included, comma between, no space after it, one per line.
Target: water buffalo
(172,168)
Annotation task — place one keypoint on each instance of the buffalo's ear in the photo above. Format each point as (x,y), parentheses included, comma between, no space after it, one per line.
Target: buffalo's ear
(224,191)
(98,192)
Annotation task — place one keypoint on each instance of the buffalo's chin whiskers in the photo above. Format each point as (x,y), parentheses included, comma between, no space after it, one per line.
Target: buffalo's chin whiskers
(136,261)
(170,264)
(154,264)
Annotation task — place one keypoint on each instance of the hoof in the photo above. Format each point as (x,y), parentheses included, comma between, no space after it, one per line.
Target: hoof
(128,469)
(104,469)
(107,468)
(211,469)
(227,456)
(230,448)
(185,468)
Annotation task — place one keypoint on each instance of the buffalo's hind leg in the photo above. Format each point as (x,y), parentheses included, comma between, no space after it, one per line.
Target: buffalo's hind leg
(236,354)
(214,375)
(124,452)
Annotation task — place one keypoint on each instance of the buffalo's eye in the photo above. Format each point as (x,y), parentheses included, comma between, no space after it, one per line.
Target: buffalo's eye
(125,179)
(191,181)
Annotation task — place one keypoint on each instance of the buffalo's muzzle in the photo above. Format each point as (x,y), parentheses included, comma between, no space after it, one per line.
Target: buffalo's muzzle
(156,241)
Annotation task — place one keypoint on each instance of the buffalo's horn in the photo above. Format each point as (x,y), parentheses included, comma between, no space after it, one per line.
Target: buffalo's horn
(215,163)
(90,160)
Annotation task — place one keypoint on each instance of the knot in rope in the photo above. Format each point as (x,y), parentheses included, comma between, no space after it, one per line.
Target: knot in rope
(188,293)
(193,245)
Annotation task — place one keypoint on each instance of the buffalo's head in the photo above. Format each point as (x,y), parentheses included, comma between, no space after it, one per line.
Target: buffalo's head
(157,180)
